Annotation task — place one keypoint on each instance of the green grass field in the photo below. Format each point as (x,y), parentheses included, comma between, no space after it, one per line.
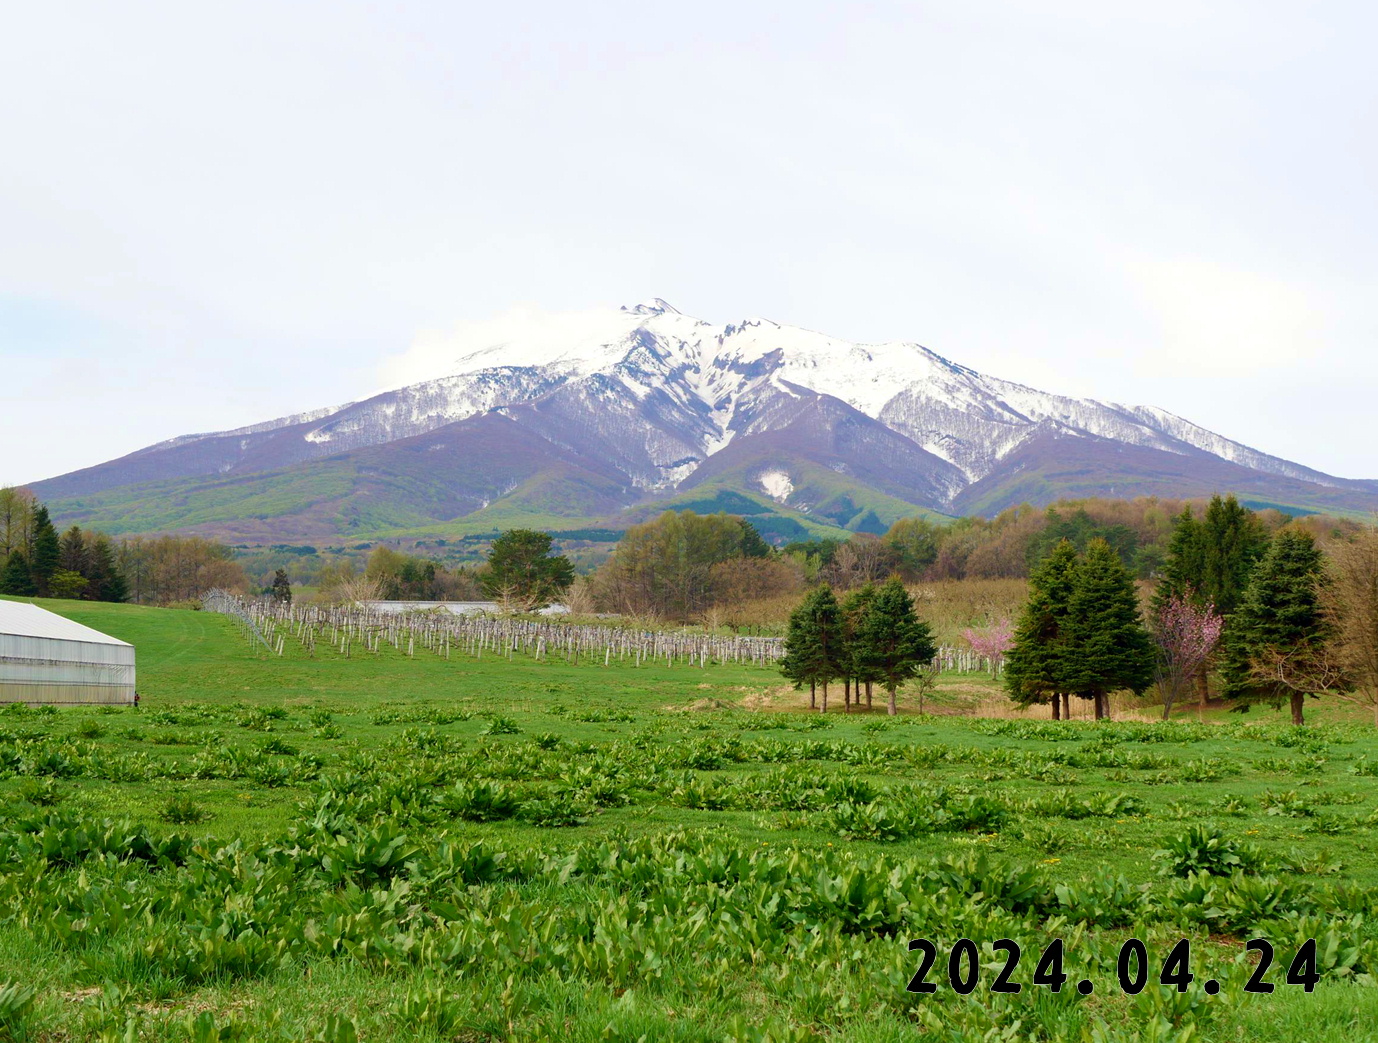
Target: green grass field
(410,848)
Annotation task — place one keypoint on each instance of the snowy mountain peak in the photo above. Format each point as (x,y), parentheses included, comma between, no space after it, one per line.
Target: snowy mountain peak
(663,400)
(654,306)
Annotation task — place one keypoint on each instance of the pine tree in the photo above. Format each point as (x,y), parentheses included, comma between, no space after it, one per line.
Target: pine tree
(1108,649)
(282,587)
(1036,666)
(17,578)
(522,571)
(46,550)
(815,652)
(1275,644)
(893,643)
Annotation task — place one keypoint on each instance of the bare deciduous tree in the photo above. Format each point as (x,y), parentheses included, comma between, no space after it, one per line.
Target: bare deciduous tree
(1351,606)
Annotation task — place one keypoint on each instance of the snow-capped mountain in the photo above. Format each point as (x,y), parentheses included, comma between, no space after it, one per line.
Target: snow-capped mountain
(648,396)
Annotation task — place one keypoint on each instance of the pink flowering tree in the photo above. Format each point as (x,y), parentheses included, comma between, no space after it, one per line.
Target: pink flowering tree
(991,642)
(1186,635)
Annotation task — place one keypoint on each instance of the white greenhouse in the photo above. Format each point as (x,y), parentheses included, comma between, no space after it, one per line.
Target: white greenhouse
(46,658)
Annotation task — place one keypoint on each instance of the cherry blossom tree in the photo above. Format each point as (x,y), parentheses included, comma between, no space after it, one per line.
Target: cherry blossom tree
(991,642)
(1186,636)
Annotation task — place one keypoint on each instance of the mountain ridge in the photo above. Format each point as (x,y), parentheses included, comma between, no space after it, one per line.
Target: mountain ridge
(635,404)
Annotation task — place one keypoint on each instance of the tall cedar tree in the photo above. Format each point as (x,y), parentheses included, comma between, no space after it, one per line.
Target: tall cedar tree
(520,566)
(46,550)
(855,607)
(814,648)
(1279,628)
(17,579)
(1108,649)
(1036,668)
(282,587)
(894,643)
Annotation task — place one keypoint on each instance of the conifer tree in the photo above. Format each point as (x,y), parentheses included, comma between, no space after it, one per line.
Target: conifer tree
(282,587)
(17,578)
(43,562)
(523,572)
(893,643)
(1108,649)
(1183,573)
(1234,540)
(855,607)
(1275,644)
(815,652)
(71,553)
(107,581)
(1036,669)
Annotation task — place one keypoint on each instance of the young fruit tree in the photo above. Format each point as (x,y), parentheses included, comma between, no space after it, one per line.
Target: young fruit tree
(893,644)
(1186,636)
(1036,664)
(815,652)
(1108,648)
(1277,645)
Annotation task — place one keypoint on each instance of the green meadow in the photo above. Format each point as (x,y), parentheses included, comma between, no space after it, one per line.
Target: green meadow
(385,846)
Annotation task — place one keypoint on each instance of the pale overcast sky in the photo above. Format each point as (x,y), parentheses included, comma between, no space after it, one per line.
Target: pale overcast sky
(213,214)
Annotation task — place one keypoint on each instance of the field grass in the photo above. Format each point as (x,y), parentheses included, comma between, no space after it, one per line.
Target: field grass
(415,848)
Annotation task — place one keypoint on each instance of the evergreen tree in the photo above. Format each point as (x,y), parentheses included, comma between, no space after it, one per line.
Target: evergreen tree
(1276,641)
(71,552)
(855,608)
(282,587)
(46,550)
(17,579)
(1036,668)
(893,643)
(521,569)
(1108,649)
(1183,573)
(753,545)
(1234,541)
(815,652)
(107,581)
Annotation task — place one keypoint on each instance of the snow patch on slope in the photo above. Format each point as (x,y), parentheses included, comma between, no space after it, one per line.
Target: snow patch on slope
(777,485)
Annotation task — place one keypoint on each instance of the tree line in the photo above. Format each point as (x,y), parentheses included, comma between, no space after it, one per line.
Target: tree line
(37,561)
(1271,616)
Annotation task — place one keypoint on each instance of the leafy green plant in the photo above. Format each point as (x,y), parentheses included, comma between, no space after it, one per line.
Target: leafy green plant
(16,1011)
(555,812)
(181,810)
(1202,849)
(481,801)
(499,725)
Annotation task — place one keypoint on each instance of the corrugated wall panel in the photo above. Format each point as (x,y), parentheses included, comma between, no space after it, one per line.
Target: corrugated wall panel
(51,670)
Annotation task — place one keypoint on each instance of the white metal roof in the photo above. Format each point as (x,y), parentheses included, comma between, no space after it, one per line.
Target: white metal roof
(26,620)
